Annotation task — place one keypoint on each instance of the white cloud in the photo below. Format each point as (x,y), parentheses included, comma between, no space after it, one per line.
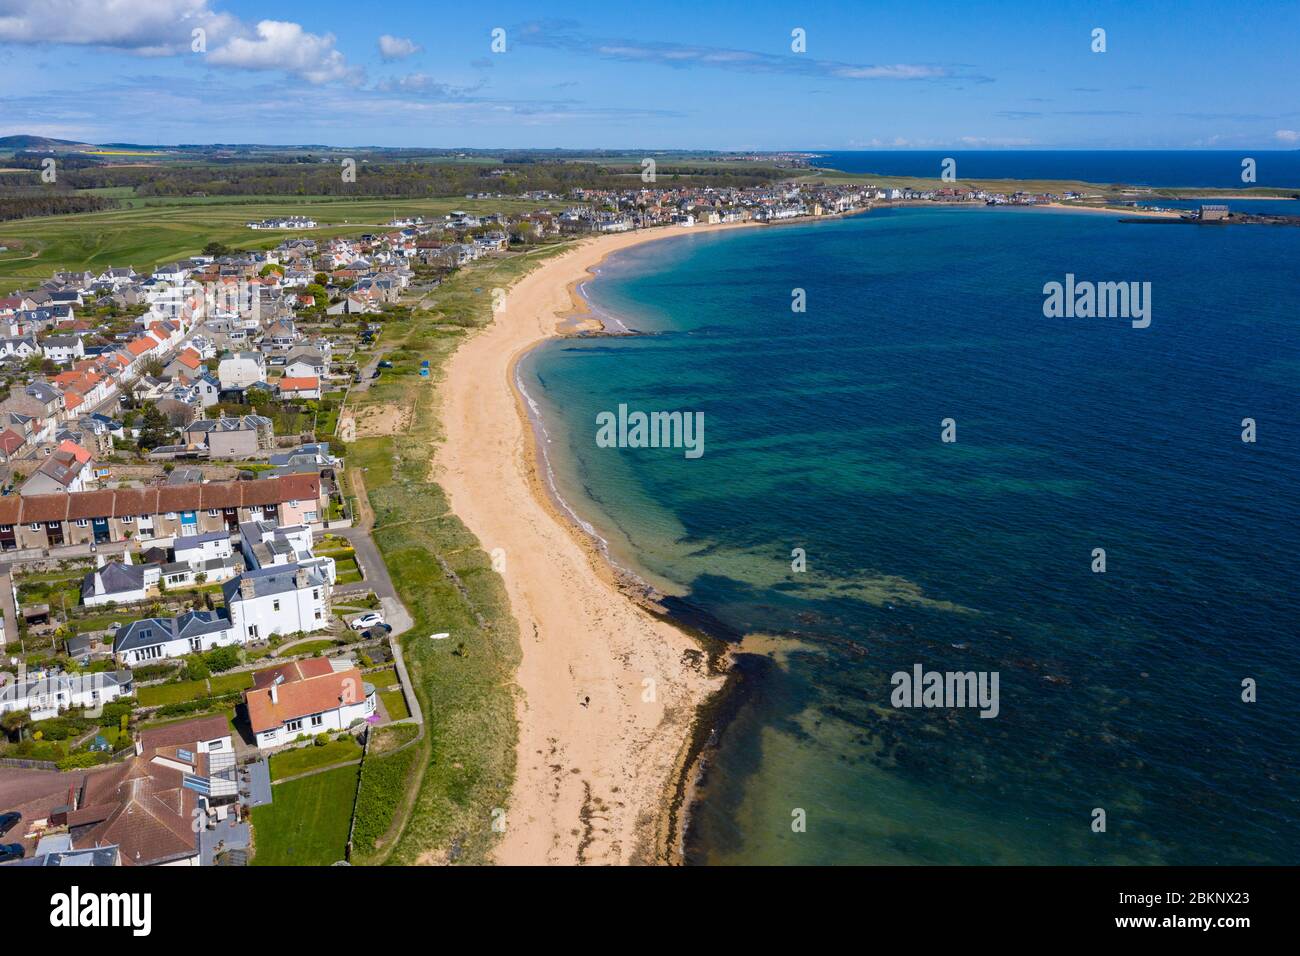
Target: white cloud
(396,48)
(164,27)
(1288,135)
(280,45)
(144,27)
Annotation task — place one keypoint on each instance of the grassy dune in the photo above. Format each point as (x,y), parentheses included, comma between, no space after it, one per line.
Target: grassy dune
(465,765)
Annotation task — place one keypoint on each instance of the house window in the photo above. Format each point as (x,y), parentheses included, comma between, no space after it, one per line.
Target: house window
(317,720)
(212,512)
(293,725)
(315,594)
(318,615)
(271,734)
(216,744)
(171,516)
(35,526)
(128,519)
(252,630)
(309,515)
(81,522)
(146,633)
(275,605)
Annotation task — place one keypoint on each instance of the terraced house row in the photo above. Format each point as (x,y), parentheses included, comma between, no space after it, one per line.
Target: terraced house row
(157,514)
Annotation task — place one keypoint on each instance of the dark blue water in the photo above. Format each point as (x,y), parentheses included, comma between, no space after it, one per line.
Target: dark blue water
(1174,168)
(1118,691)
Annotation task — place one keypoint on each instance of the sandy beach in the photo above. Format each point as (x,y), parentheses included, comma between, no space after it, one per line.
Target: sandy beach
(607,692)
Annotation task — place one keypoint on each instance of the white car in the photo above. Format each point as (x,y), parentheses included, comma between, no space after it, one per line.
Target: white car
(365,621)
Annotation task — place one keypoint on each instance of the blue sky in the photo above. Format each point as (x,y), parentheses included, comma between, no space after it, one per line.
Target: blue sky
(664,75)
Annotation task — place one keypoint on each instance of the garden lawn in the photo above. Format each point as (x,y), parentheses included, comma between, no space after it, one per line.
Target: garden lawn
(307,822)
(293,762)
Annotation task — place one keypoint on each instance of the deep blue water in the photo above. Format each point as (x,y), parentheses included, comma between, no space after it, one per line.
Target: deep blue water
(1151,167)
(1118,691)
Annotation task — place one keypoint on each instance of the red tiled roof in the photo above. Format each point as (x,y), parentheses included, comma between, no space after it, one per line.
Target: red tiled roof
(71,447)
(312,695)
(293,671)
(303,383)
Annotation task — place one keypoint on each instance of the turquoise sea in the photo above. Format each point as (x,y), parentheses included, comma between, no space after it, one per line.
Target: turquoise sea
(1119,691)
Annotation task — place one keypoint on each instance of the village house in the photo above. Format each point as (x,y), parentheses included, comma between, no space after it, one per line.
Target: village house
(242,437)
(306,699)
(155,638)
(120,582)
(47,693)
(155,806)
(307,387)
(242,369)
(284,599)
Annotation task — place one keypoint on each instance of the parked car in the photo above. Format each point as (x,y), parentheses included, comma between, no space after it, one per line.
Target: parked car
(8,821)
(384,363)
(366,620)
(11,851)
(375,374)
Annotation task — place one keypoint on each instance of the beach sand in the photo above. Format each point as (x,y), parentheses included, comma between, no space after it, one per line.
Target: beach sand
(608,693)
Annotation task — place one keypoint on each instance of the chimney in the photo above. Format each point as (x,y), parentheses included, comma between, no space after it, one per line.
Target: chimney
(275,694)
(139,746)
(100,559)
(245,587)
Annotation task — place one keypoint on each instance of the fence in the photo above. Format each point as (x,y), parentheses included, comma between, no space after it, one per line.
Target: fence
(13,763)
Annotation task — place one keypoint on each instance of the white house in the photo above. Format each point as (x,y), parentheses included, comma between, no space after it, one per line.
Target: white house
(242,369)
(53,691)
(64,348)
(306,699)
(196,550)
(283,599)
(119,582)
(154,638)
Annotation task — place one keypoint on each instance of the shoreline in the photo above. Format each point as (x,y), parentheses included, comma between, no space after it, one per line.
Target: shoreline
(599,765)
(662,746)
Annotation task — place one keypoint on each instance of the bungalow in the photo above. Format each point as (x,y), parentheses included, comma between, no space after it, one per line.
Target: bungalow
(304,363)
(290,387)
(49,693)
(154,638)
(120,582)
(306,699)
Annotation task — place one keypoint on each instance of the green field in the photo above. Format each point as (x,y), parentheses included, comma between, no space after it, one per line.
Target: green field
(146,235)
(307,822)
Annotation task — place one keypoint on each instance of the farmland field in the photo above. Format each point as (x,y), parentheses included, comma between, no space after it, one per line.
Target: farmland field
(146,235)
